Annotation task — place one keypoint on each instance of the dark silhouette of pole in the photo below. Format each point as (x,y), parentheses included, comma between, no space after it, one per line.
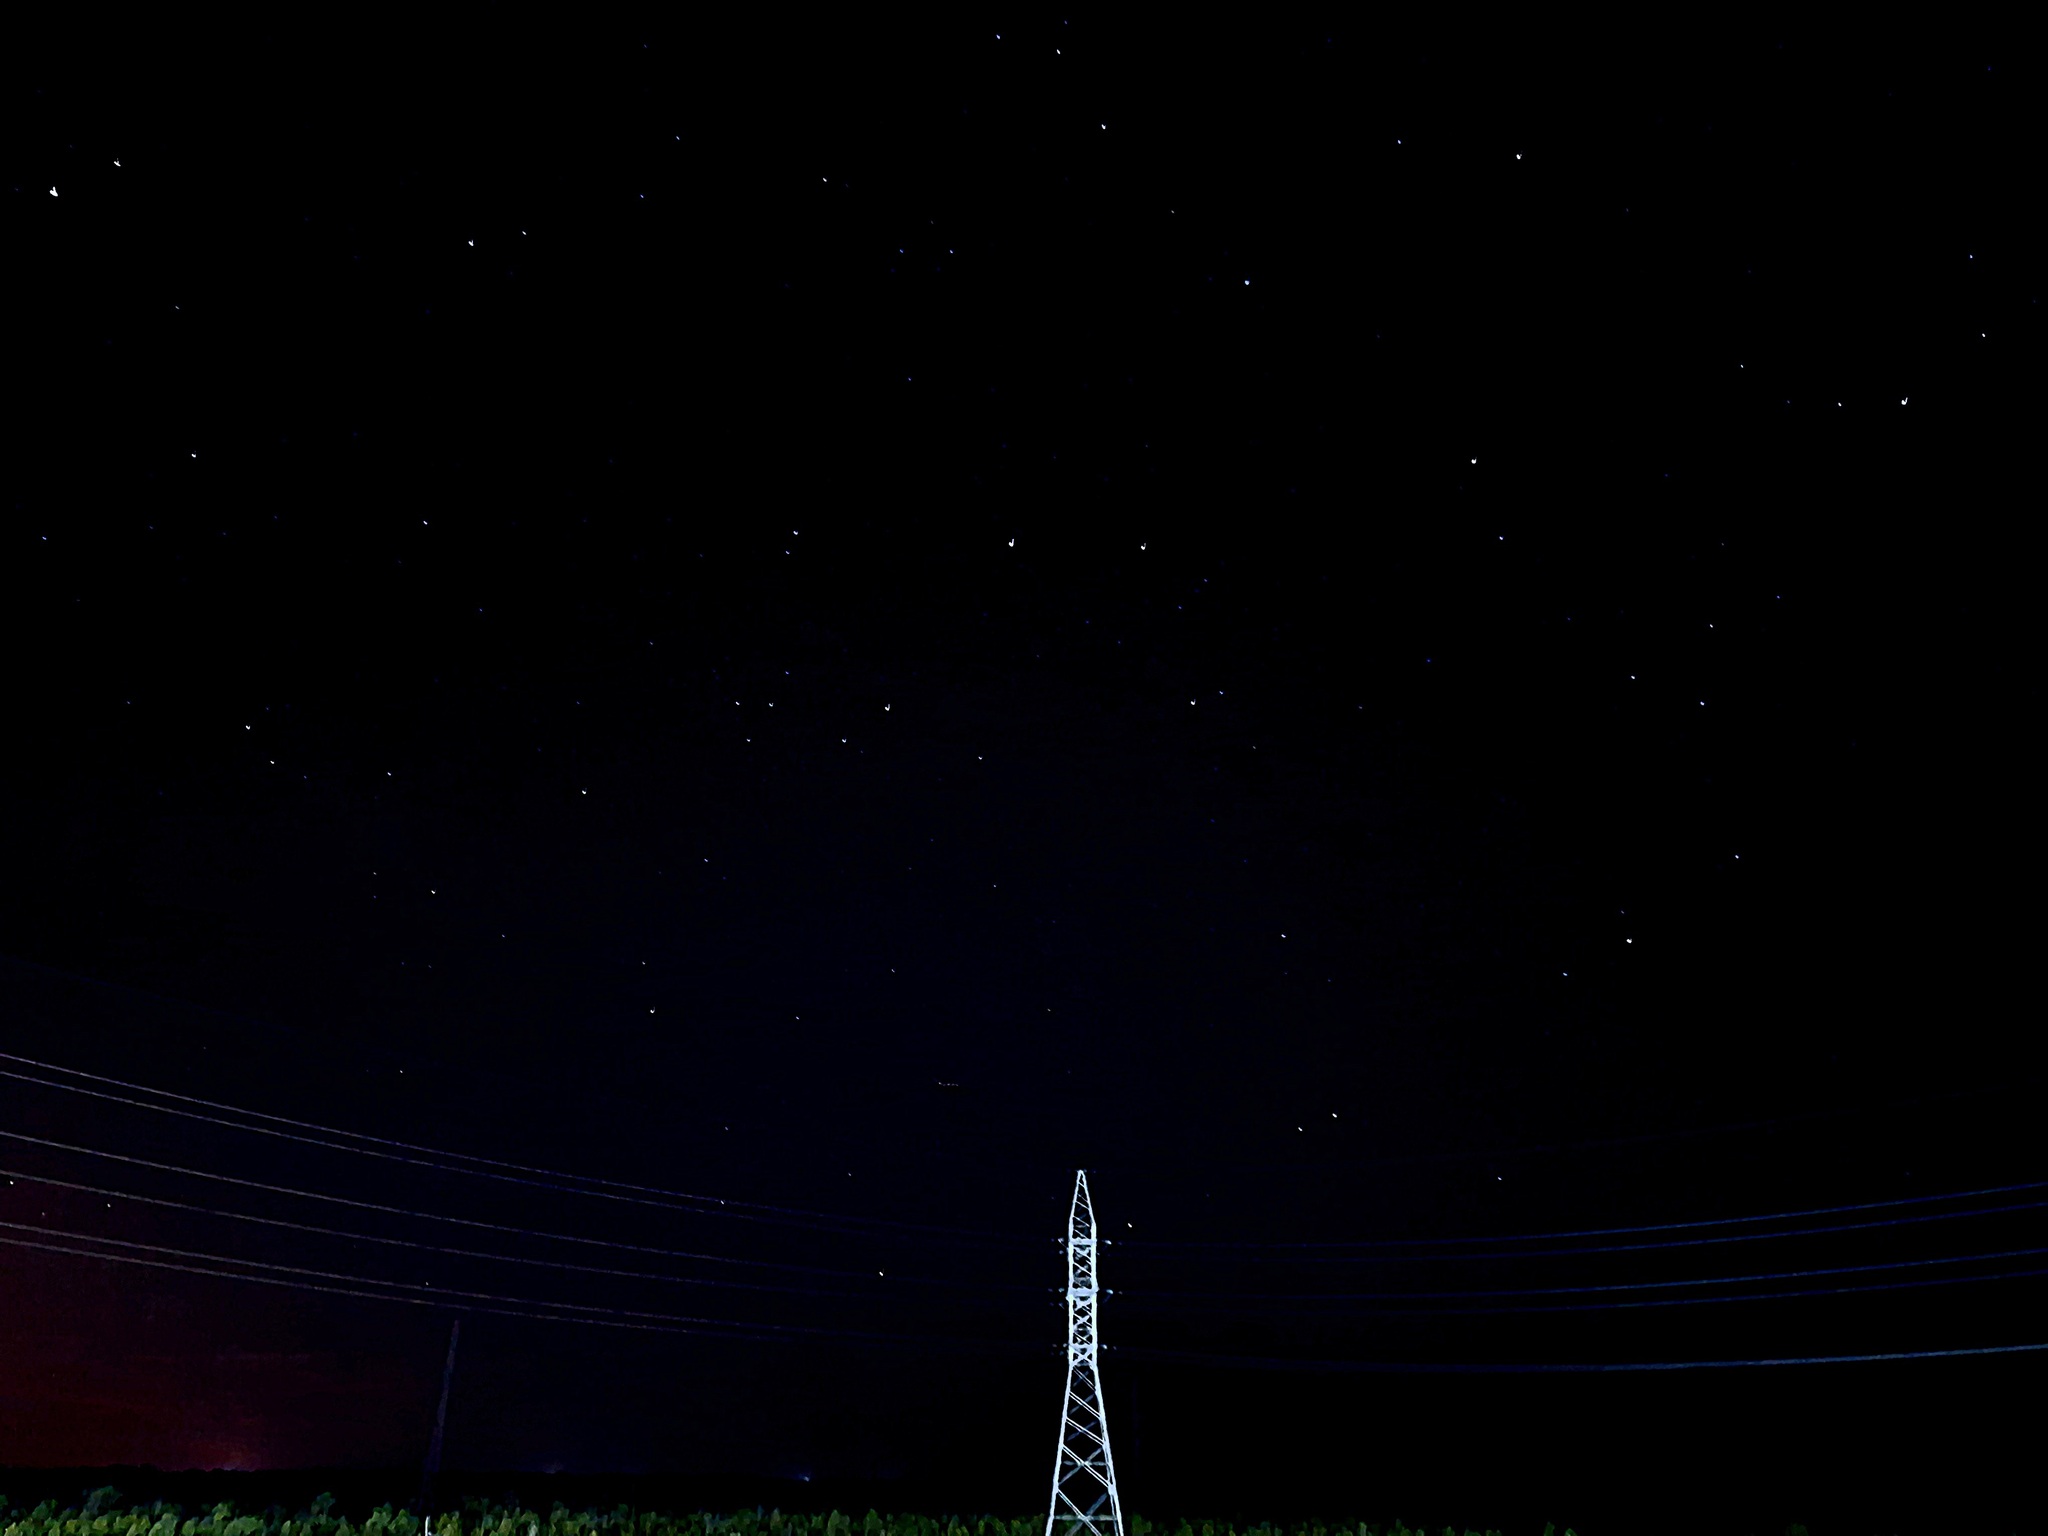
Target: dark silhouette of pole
(440,1423)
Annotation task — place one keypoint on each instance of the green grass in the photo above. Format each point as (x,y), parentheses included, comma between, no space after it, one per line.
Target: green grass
(99,1516)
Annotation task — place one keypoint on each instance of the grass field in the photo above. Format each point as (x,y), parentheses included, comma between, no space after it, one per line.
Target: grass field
(101,1515)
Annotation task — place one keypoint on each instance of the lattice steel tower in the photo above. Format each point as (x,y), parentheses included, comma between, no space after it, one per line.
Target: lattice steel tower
(1083,1474)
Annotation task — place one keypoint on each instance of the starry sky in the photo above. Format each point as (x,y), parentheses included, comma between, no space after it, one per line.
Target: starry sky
(1411,641)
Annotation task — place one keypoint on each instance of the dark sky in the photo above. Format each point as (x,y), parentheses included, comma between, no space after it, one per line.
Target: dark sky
(1374,636)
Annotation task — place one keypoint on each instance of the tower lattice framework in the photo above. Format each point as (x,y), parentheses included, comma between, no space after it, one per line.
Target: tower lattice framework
(1084,1501)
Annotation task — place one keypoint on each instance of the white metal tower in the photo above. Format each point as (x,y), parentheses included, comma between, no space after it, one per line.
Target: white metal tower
(1084,1499)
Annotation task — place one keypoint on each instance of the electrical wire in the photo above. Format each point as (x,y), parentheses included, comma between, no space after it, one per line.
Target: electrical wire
(493,1226)
(1143,1246)
(1167,1299)
(1228,1296)
(1146,1300)
(740,1210)
(1177,1300)
(712,1326)
(1645,1248)
(403,1285)
(747,1331)
(1694,1301)
(1602,1231)
(1177,1165)
(1251,1362)
(468,1253)
(1130,1352)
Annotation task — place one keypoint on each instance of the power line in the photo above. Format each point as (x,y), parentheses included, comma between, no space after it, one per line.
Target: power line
(1250,1362)
(737,1209)
(733,1207)
(1602,1231)
(464,1221)
(1691,1301)
(1176,1300)
(1645,1248)
(1177,1165)
(740,1330)
(467,1070)
(403,1285)
(471,1253)
(1152,1299)
(1233,1247)
(725,1328)
(1143,1246)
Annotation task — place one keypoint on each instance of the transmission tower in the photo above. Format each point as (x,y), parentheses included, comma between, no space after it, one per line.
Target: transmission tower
(1084,1501)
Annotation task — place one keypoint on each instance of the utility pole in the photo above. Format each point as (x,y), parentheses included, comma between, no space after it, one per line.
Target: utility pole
(440,1423)
(1084,1501)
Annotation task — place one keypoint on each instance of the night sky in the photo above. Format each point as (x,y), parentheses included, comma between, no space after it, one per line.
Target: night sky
(1405,640)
